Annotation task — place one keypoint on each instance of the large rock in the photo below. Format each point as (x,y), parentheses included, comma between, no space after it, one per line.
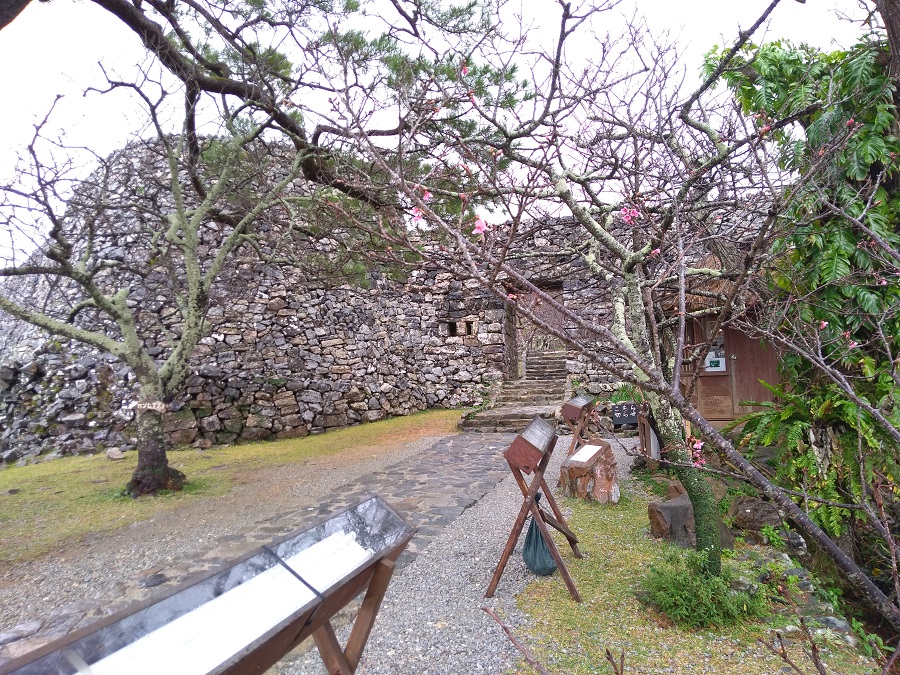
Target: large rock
(752,514)
(673,520)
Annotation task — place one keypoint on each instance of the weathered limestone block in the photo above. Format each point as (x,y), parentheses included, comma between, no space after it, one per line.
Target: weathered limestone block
(179,421)
(673,520)
(255,434)
(591,474)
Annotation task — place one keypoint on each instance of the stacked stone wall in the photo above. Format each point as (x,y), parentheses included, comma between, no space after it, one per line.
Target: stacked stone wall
(280,360)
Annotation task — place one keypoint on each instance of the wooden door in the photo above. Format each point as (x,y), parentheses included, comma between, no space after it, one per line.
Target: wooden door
(713,392)
(750,361)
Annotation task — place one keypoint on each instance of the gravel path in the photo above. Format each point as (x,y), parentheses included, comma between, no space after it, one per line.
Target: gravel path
(431,621)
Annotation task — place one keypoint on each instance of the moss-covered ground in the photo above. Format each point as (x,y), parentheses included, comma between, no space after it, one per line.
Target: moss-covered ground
(571,638)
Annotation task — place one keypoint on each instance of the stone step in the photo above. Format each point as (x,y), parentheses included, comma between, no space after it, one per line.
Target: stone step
(525,396)
(518,412)
(521,396)
(537,391)
(541,388)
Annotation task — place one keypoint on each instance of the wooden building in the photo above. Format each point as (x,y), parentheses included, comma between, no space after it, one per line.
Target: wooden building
(730,372)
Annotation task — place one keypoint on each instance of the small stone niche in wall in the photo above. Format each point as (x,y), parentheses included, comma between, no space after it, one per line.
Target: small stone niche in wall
(459,328)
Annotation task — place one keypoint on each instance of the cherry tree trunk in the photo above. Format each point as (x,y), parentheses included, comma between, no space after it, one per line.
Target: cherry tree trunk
(153,472)
(706,510)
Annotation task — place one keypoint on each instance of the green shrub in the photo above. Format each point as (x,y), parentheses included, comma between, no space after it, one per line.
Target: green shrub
(678,588)
(626,392)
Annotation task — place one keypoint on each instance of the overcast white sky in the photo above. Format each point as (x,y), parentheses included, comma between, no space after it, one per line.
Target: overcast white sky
(54,48)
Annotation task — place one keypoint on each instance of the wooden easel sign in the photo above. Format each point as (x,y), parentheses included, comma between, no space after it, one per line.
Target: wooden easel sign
(529,453)
(245,617)
(576,413)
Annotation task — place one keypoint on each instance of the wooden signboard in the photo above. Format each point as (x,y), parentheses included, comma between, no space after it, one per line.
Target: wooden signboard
(530,453)
(624,413)
(576,413)
(245,617)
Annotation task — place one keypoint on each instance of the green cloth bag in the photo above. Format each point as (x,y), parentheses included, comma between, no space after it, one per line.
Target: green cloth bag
(535,552)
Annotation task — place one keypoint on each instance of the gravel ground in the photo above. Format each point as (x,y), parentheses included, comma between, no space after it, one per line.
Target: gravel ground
(431,621)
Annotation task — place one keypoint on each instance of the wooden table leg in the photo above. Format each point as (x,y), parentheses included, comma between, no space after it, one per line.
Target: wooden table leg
(365,620)
(330,651)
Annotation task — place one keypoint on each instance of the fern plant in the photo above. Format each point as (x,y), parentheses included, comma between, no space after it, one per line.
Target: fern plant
(817,435)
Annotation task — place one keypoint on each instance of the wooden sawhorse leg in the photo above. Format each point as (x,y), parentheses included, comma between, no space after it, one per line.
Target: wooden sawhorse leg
(577,430)
(345,661)
(578,440)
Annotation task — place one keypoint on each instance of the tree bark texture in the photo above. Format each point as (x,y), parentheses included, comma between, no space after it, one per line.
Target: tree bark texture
(706,510)
(153,472)
(890,15)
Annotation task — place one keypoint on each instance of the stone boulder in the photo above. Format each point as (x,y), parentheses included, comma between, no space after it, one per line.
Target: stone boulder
(673,520)
(751,514)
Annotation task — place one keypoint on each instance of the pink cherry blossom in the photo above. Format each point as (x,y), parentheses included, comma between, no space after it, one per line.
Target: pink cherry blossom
(654,251)
(426,196)
(465,70)
(511,296)
(417,215)
(822,325)
(852,344)
(480,226)
(629,214)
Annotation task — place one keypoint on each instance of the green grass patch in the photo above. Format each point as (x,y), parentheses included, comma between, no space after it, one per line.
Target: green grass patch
(571,638)
(58,502)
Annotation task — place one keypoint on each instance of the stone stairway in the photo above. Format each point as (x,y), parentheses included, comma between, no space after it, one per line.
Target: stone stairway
(540,393)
